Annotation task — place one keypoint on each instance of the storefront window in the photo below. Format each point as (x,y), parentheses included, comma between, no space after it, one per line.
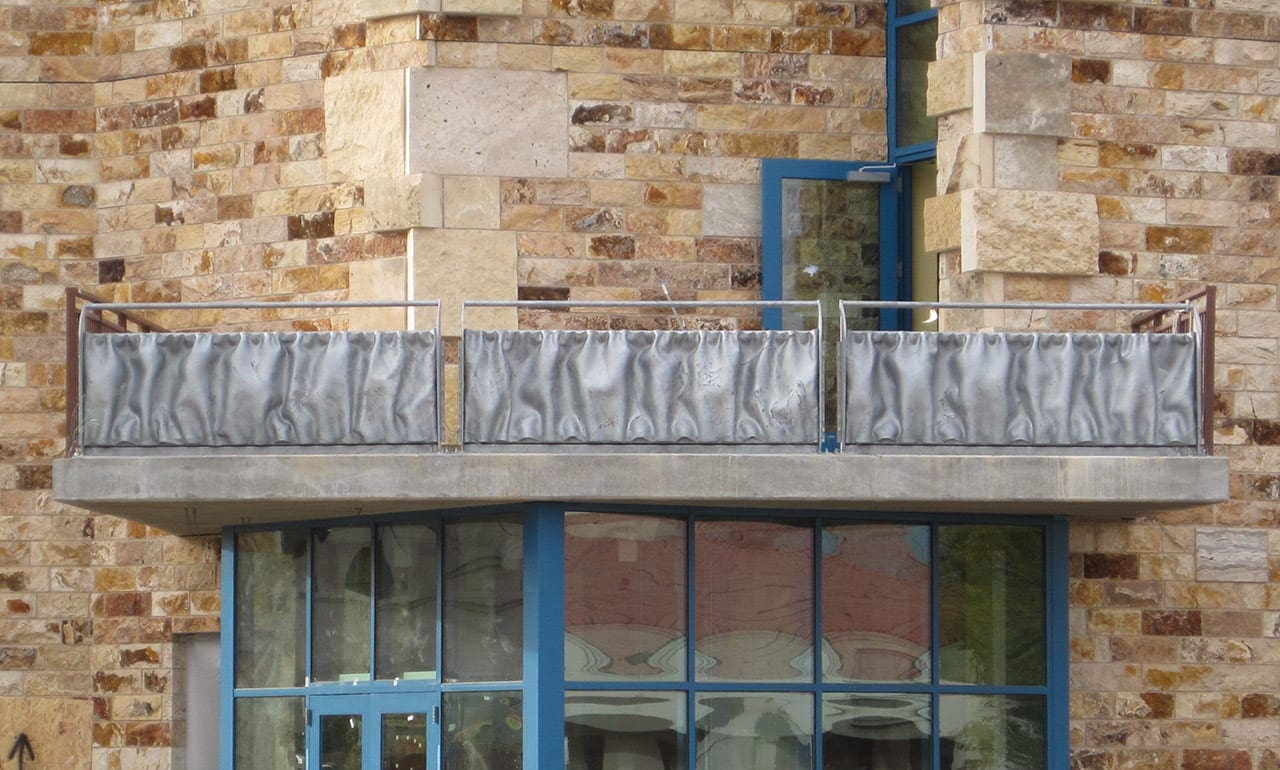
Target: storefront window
(656,640)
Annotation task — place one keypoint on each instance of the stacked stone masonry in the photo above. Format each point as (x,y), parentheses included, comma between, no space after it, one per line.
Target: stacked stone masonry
(196,150)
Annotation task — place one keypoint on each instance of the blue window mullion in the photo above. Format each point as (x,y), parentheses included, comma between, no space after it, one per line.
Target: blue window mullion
(935,647)
(691,727)
(818,750)
(1057,621)
(544,637)
(310,634)
(373,603)
(227,681)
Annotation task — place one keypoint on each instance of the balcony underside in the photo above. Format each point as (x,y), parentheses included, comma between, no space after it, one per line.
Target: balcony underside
(200,493)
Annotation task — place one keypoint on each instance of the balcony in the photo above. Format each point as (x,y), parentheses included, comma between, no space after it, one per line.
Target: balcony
(191,431)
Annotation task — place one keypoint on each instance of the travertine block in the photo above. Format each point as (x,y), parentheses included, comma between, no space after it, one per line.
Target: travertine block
(1232,555)
(364,125)
(376,9)
(486,122)
(941,223)
(1022,93)
(731,210)
(457,265)
(60,729)
(1020,231)
(484,7)
(402,202)
(950,85)
(1025,162)
(472,202)
(378,279)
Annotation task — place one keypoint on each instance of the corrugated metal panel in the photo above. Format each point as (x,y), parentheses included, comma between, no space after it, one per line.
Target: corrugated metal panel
(1000,389)
(670,387)
(259,389)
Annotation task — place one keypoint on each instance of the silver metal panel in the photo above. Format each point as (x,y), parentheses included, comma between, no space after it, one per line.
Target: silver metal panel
(259,389)
(1002,389)
(669,387)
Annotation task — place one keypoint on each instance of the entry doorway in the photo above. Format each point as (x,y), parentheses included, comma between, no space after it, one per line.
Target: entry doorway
(374,731)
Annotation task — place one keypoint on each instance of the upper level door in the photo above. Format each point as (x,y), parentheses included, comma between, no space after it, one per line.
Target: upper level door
(373,731)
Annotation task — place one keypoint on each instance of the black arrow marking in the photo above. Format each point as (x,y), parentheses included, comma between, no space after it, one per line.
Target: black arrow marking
(22,748)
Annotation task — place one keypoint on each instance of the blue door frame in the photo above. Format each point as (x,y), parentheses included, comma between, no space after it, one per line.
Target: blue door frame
(371,707)
(895,271)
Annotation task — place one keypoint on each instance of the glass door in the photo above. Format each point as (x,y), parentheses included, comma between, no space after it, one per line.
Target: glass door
(373,731)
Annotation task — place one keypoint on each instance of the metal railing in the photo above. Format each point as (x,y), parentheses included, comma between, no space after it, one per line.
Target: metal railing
(1183,316)
(88,318)
(813,307)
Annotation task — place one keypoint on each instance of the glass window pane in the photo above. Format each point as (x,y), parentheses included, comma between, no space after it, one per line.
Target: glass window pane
(831,245)
(341,741)
(270,733)
(483,731)
(624,597)
(483,600)
(993,732)
(864,730)
(754,603)
(406,602)
(271,608)
(632,730)
(992,604)
(404,741)
(875,603)
(908,7)
(341,598)
(916,44)
(755,731)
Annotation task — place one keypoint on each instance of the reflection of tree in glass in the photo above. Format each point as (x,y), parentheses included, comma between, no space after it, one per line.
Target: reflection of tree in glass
(483,731)
(992,609)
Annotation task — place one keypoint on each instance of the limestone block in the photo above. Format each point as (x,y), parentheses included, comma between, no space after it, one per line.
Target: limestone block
(457,265)
(402,202)
(364,125)
(1019,92)
(731,210)
(1232,555)
(487,122)
(377,9)
(378,279)
(950,85)
(472,202)
(1026,162)
(60,730)
(1022,231)
(941,223)
(484,7)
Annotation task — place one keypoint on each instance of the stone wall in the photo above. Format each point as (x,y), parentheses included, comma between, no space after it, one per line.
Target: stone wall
(1129,152)
(184,150)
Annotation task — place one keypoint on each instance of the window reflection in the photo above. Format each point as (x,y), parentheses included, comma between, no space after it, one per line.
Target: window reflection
(876,730)
(340,598)
(993,732)
(875,603)
(757,731)
(270,734)
(754,603)
(624,597)
(992,610)
(271,608)
(625,731)
(483,730)
(484,600)
(406,601)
